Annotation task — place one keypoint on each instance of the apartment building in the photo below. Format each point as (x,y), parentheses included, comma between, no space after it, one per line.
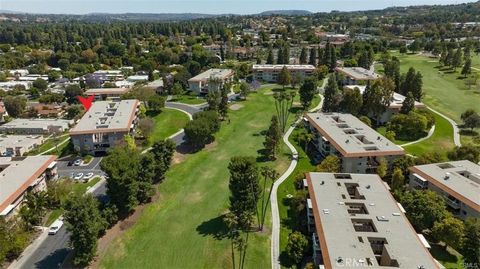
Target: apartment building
(270,72)
(18,145)
(35,126)
(18,175)
(357,145)
(102,94)
(395,103)
(356,75)
(212,79)
(458,182)
(105,125)
(356,223)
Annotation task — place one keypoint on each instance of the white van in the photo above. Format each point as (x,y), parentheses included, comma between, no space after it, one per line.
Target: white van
(55,227)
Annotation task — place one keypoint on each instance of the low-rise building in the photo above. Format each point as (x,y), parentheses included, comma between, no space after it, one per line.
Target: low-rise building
(18,145)
(105,125)
(10,85)
(358,146)
(35,126)
(48,110)
(356,75)
(395,104)
(138,78)
(212,79)
(458,182)
(18,175)
(270,72)
(357,223)
(107,93)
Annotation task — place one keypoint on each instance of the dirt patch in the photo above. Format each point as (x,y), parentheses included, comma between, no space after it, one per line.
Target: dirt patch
(193,198)
(268,93)
(211,146)
(236,106)
(178,158)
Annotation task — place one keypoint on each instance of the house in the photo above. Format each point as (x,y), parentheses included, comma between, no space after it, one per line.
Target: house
(395,104)
(359,147)
(356,223)
(269,72)
(157,85)
(32,77)
(356,75)
(105,125)
(212,79)
(458,182)
(48,110)
(19,175)
(10,85)
(35,126)
(18,145)
(107,93)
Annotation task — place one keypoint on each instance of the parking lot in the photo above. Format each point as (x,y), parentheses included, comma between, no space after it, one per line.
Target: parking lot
(66,170)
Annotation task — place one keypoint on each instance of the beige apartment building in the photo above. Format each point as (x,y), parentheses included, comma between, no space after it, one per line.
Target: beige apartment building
(212,79)
(358,224)
(270,72)
(105,125)
(18,145)
(356,75)
(458,182)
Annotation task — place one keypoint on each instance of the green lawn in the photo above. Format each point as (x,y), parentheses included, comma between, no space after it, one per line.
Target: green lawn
(448,258)
(183,229)
(50,143)
(444,91)
(190,99)
(167,123)
(440,141)
(383,130)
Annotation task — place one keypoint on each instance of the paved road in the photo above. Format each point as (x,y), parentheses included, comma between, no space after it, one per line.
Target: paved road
(52,252)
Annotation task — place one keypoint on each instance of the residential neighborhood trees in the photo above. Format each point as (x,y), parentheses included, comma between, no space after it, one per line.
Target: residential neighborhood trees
(307,92)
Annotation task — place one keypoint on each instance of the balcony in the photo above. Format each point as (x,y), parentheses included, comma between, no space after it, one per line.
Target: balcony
(453,203)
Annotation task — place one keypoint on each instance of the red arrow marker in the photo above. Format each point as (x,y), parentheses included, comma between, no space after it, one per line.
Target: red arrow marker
(86,102)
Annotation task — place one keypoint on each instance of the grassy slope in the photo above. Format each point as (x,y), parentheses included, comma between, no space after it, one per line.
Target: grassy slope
(168,122)
(183,229)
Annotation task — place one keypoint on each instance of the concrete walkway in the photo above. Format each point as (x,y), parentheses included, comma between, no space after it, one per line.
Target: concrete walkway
(275,241)
(430,133)
(456,130)
(54,147)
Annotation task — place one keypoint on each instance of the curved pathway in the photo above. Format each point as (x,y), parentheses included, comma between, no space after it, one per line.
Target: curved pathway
(275,242)
(456,130)
(430,133)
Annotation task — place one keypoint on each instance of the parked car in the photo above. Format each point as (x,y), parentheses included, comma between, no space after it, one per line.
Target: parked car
(55,227)
(87,177)
(77,162)
(78,176)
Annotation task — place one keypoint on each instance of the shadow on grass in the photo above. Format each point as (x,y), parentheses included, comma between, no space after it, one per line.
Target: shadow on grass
(468,132)
(440,253)
(152,114)
(215,228)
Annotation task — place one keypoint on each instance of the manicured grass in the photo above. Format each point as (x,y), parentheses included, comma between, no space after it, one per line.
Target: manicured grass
(54,215)
(444,91)
(183,229)
(167,123)
(448,258)
(383,130)
(441,140)
(190,99)
(50,143)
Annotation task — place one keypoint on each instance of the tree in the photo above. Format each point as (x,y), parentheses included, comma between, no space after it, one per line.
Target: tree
(177,89)
(146,126)
(271,175)
(307,92)
(244,90)
(471,119)
(398,179)
(366,120)
(408,127)
(467,68)
(40,84)
(471,244)
(146,174)
(377,97)
(283,104)
(223,106)
(331,164)
(284,77)
(15,106)
(303,56)
(331,95)
(74,111)
(313,57)
(214,98)
(71,93)
(449,230)
(155,103)
(382,168)
(33,208)
(84,223)
(423,208)
(163,152)
(408,104)
(457,59)
(352,101)
(465,152)
(412,82)
(273,138)
(270,58)
(296,246)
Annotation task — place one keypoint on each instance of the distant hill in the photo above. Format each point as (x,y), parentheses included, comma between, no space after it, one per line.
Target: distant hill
(285,12)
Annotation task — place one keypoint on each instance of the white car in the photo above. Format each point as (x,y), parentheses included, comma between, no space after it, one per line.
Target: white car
(77,162)
(55,227)
(78,176)
(87,176)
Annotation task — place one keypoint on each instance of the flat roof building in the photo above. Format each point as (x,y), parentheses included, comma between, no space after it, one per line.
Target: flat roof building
(21,174)
(269,72)
(18,145)
(35,126)
(354,75)
(206,81)
(107,93)
(358,223)
(357,145)
(104,125)
(458,182)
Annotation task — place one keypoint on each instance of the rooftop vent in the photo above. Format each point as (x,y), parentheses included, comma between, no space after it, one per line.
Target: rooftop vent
(447,176)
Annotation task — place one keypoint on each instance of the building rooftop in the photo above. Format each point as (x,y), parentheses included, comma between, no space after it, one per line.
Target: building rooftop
(351,137)
(357,220)
(107,116)
(460,179)
(13,141)
(18,173)
(215,73)
(358,73)
(280,66)
(35,124)
(106,91)
(397,99)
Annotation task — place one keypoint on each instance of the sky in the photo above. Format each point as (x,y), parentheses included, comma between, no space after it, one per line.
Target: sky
(203,6)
